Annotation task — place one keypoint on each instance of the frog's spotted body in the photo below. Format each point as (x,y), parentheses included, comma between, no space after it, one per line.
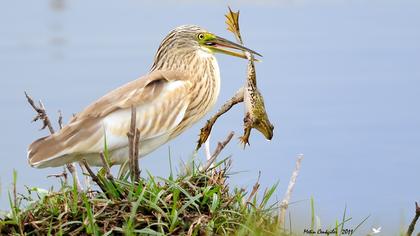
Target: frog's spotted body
(255,113)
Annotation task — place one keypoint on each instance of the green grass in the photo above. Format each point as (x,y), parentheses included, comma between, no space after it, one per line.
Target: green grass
(191,203)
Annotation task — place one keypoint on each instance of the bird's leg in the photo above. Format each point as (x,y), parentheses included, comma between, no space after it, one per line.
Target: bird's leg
(72,169)
(207,148)
(86,180)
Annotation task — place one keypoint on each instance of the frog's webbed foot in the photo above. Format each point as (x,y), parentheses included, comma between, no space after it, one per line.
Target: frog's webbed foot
(244,140)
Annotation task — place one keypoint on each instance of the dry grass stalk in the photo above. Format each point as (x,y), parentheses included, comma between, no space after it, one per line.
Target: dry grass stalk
(93,176)
(194,225)
(254,188)
(285,203)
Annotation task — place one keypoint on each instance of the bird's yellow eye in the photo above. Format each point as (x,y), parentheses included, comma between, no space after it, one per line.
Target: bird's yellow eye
(200,36)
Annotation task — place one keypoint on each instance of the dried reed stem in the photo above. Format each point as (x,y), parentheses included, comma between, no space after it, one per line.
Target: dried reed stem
(133,147)
(285,203)
(254,188)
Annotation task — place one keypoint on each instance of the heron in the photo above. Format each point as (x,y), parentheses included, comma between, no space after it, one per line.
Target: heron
(181,87)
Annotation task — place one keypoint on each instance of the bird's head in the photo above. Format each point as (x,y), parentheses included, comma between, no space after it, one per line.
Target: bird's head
(188,39)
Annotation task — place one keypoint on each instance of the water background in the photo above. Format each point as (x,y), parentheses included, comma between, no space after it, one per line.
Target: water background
(341,80)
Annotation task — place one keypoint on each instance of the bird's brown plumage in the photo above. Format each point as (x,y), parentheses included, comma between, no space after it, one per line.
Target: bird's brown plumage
(73,139)
(181,88)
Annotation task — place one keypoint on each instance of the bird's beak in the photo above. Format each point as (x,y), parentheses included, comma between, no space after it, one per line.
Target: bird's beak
(219,44)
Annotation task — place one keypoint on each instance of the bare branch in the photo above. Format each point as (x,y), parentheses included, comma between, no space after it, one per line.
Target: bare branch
(206,130)
(285,203)
(41,114)
(220,147)
(133,147)
(414,221)
(136,146)
(63,174)
(93,176)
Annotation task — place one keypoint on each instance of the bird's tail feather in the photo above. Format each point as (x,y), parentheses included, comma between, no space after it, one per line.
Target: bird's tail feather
(47,152)
(62,147)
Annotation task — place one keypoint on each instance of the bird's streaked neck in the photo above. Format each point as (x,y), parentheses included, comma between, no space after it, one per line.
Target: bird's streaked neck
(193,61)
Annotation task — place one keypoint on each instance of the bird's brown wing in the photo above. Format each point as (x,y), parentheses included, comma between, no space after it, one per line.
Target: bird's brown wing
(137,92)
(160,98)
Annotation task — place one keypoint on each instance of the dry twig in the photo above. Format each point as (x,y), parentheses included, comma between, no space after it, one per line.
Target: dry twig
(42,115)
(133,147)
(93,176)
(63,174)
(285,203)
(254,188)
(220,147)
(414,221)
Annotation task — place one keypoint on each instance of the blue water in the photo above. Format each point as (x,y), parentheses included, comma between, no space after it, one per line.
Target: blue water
(341,80)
